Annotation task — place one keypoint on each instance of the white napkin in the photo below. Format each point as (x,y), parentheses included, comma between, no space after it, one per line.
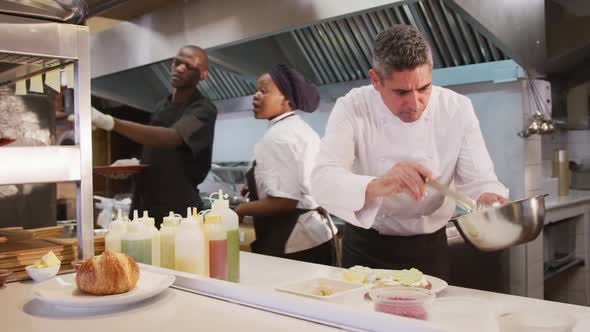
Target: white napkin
(126,162)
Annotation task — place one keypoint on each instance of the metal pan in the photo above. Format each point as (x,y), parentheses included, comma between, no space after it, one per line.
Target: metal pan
(497,228)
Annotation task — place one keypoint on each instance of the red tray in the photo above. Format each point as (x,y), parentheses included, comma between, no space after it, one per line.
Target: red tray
(6,141)
(118,172)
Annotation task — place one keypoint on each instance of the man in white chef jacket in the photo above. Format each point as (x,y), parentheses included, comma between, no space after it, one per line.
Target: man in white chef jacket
(381,142)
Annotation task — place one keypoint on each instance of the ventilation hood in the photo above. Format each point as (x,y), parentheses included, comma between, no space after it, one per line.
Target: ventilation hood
(327,52)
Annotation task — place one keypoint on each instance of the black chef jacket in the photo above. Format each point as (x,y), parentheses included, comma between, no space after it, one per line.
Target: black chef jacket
(170,182)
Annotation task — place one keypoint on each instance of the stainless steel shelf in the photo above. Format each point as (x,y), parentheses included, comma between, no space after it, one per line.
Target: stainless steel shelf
(30,47)
(39,164)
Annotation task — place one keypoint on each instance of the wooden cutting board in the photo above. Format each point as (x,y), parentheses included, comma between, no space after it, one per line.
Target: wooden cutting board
(37,255)
(20,264)
(11,249)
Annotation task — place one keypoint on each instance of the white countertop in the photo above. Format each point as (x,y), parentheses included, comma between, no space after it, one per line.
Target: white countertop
(174,310)
(184,311)
(574,197)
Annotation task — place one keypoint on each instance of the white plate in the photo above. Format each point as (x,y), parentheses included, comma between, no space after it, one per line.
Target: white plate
(310,287)
(438,285)
(62,290)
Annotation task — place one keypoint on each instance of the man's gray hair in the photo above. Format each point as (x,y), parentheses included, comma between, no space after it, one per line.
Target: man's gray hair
(400,47)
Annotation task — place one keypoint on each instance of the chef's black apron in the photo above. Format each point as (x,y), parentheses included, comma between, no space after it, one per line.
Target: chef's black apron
(427,252)
(273,232)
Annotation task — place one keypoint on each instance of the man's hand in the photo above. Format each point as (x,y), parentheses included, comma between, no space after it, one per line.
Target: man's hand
(488,199)
(406,176)
(102,121)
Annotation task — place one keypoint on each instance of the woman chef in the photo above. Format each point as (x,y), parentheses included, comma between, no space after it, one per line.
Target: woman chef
(287,220)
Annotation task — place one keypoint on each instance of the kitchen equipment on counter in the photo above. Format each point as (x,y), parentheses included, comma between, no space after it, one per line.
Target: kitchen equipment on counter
(137,242)
(220,207)
(168,230)
(495,228)
(559,244)
(117,229)
(190,247)
(561,161)
(216,235)
(150,225)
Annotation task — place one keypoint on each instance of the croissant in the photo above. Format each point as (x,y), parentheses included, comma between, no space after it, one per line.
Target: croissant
(107,274)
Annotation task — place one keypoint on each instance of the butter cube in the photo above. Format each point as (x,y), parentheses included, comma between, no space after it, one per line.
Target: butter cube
(39,265)
(50,259)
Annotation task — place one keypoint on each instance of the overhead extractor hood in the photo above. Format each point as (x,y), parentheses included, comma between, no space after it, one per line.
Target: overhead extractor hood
(330,51)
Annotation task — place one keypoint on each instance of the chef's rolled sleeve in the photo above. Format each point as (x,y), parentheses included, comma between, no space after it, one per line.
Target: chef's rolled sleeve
(196,126)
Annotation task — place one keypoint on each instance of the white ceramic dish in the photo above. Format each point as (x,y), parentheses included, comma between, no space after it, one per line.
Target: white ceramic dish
(42,274)
(62,290)
(312,288)
(438,285)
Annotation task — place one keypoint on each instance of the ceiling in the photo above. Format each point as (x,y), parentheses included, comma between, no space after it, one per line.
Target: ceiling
(104,14)
(91,12)
(328,52)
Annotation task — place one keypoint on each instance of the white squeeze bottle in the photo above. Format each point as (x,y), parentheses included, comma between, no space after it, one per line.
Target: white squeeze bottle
(229,218)
(117,229)
(189,246)
(137,242)
(150,226)
(204,231)
(168,230)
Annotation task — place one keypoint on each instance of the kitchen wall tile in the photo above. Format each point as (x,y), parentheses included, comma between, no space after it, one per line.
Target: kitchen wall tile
(533,177)
(532,151)
(547,168)
(578,136)
(547,147)
(578,151)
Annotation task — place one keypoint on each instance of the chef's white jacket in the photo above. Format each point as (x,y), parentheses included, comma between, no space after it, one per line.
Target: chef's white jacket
(364,140)
(285,157)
